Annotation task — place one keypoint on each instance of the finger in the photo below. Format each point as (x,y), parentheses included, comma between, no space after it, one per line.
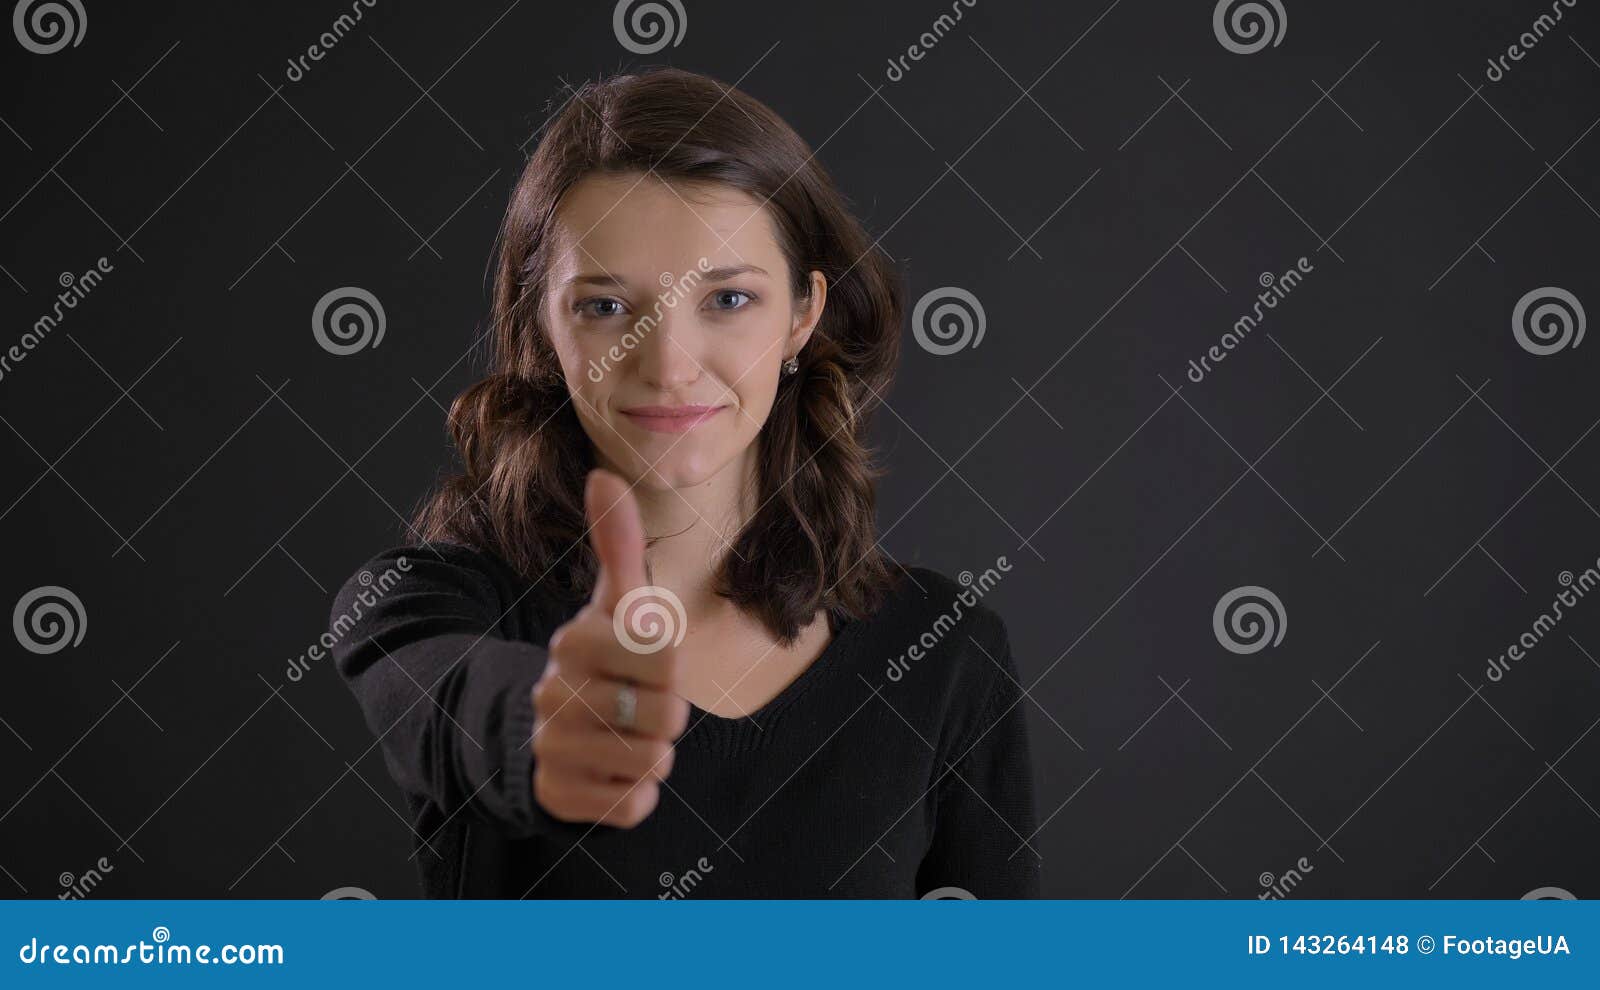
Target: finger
(656,714)
(635,805)
(594,701)
(617,534)
(588,647)
(605,753)
(574,796)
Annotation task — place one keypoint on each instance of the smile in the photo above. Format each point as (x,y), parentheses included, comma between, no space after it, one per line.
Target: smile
(671,419)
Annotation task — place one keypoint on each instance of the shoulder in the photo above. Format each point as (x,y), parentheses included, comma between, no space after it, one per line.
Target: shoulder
(946,642)
(434,579)
(936,608)
(415,565)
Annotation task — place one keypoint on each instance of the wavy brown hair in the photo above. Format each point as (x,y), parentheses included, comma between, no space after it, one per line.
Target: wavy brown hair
(811,544)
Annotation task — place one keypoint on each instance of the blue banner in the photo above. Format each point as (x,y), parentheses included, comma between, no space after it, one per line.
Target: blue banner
(790,943)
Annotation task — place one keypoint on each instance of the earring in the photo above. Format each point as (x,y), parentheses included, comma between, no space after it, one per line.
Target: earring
(791,366)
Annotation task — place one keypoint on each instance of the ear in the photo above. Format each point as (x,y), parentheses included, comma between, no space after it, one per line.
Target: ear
(808,313)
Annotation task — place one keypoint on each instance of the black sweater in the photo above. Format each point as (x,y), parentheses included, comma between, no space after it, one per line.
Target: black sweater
(849,783)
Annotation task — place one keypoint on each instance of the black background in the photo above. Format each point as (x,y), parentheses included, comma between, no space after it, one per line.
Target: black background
(185,407)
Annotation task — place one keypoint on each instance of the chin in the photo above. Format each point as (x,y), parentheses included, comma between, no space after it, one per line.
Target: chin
(679,469)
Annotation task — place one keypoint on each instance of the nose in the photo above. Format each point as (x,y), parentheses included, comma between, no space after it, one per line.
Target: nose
(667,359)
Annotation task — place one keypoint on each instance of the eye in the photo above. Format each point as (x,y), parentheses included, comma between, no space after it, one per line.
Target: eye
(599,307)
(730,299)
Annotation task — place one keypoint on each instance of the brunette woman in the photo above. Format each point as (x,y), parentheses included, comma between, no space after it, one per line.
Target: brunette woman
(646,643)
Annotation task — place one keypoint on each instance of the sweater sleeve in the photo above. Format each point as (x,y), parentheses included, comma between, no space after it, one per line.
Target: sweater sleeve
(983,841)
(449,698)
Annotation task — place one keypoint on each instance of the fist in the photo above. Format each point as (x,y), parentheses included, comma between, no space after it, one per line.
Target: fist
(606,714)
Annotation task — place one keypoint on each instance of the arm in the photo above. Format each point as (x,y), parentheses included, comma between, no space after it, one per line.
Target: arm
(984,806)
(448,697)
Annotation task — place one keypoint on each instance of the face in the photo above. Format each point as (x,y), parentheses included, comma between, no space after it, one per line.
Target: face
(671,309)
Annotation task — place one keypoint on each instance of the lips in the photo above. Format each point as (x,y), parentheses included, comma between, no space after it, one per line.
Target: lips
(671,419)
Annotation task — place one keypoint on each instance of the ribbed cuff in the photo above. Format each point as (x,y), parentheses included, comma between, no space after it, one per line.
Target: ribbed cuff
(529,815)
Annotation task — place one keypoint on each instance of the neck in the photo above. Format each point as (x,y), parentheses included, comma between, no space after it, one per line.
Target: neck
(692,529)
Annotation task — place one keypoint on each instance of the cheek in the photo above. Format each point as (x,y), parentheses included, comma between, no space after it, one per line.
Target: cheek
(583,361)
(756,390)
(574,351)
(749,364)
(589,396)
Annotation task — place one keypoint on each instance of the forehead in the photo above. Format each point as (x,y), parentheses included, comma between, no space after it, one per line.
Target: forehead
(633,225)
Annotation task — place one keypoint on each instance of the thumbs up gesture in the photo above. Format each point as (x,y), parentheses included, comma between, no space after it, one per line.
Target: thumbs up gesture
(606,708)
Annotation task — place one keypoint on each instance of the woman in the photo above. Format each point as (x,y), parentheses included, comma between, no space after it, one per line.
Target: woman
(647,643)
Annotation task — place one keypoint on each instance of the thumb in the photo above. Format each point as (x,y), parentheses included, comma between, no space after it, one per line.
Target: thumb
(617,533)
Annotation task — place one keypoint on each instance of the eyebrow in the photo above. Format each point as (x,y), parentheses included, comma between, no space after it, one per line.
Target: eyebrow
(733,271)
(721,274)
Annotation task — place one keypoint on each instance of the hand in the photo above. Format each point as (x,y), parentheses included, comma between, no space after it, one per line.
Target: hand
(588,768)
